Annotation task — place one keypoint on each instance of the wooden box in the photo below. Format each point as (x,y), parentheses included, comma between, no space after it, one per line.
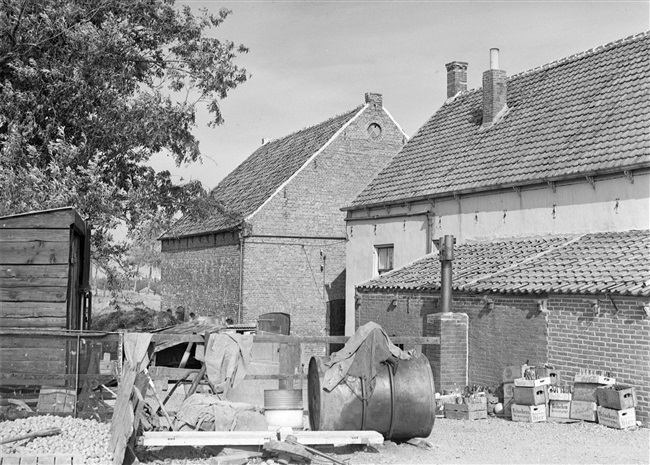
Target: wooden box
(585,392)
(619,397)
(530,395)
(551,373)
(559,396)
(594,379)
(512,372)
(56,400)
(618,419)
(532,382)
(560,409)
(508,389)
(529,413)
(477,411)
(582,410)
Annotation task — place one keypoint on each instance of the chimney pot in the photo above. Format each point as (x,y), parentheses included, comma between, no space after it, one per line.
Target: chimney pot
(494,91)
(494,58)
(456,77)
(375,100)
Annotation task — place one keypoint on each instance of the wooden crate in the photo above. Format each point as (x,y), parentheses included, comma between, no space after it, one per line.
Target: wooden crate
(532,382)
(530,395)
(476,411)
(582,410)
(594,379)
(618,399)
(529,413)
(619,419)
(560,409)
(56,400)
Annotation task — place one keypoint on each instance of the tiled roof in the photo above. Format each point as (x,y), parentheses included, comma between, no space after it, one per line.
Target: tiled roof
(583,115)
(609,262)
(246,188)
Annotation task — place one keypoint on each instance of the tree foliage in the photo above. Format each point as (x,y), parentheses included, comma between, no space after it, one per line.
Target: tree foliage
(90,90)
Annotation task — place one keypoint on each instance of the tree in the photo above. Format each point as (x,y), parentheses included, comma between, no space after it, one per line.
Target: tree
(90,90)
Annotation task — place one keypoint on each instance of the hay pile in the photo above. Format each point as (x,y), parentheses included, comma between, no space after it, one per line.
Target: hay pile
(139,319)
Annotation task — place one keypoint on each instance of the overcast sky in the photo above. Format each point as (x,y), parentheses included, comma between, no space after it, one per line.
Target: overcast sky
(311,60)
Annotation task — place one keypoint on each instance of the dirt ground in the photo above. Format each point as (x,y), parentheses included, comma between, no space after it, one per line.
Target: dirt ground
(491,441)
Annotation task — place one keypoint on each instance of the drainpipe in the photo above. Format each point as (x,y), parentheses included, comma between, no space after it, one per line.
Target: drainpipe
(241,272)
(446,249)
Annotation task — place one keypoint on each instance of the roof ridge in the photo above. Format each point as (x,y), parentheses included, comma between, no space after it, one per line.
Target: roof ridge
(578,55)
(338,115)
(560,61)
(525,260)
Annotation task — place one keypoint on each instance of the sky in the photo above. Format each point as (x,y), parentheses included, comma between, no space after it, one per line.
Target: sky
(312,60)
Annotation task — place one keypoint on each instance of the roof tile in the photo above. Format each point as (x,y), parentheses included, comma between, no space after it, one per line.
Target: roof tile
(579,115)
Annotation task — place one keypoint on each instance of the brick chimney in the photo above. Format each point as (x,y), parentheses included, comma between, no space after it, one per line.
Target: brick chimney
(374,100)
(456,77)
(494,91)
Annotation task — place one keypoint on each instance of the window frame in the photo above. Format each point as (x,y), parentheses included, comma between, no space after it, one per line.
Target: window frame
(377,248)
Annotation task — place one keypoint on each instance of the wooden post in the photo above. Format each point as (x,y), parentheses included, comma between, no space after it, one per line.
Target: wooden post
(290,366)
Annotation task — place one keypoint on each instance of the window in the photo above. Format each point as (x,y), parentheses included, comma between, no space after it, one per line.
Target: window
(384,255)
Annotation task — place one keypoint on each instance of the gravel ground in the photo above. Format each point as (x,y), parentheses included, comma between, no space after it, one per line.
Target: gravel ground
(491,441)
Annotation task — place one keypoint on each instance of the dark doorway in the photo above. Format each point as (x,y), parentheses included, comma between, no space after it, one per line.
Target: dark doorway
(336,322)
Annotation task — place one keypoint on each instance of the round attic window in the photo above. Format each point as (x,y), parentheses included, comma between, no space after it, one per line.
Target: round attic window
(374,130)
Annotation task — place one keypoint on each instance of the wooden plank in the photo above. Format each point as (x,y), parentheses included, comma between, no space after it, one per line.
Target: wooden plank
(13,366)
(32,309)
(206,438)
(70,333)
(278,338)
(31,234)
(33,294)
(24,341)
(290,367)
(333,437)
(173,373)
(35,252)
(34,275)
(58,218)
(38,322)
(27,354)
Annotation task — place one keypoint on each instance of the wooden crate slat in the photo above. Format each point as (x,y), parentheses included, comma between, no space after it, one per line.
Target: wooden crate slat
(34,252)
(32,309)
(33,294)
(29,235)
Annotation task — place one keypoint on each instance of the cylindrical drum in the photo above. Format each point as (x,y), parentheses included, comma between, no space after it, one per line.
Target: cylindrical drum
(283,407)
(402,405)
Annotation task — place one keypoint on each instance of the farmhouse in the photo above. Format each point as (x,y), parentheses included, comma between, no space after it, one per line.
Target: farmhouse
(543,178)
(277,245)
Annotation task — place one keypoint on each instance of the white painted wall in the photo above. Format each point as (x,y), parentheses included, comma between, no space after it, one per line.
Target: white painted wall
(614,204)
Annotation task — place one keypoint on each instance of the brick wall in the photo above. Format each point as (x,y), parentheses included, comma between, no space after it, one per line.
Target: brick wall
(202,275)
(617,342)
(569,336)
(450,357)
(310,204)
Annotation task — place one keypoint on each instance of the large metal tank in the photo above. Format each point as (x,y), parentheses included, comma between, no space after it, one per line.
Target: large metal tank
(402,405)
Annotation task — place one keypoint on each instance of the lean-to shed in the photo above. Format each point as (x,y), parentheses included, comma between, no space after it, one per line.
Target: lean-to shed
(44,270)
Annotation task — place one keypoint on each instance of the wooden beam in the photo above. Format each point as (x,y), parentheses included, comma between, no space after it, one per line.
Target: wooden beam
(256,438)
(34,275)
(35,252)
(30,235)
(278,338)
(206,438)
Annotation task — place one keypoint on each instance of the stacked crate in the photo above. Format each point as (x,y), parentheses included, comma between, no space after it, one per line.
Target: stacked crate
(616,406)
(584,403)
(559,400)
(531,397)
(509,375)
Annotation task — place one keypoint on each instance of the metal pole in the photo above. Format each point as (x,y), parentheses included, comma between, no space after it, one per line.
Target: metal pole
(446,249)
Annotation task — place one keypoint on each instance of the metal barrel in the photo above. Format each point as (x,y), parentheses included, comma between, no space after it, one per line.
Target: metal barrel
(402,405)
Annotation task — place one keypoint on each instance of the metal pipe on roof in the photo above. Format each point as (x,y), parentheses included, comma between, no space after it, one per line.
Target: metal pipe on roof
(446,249)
